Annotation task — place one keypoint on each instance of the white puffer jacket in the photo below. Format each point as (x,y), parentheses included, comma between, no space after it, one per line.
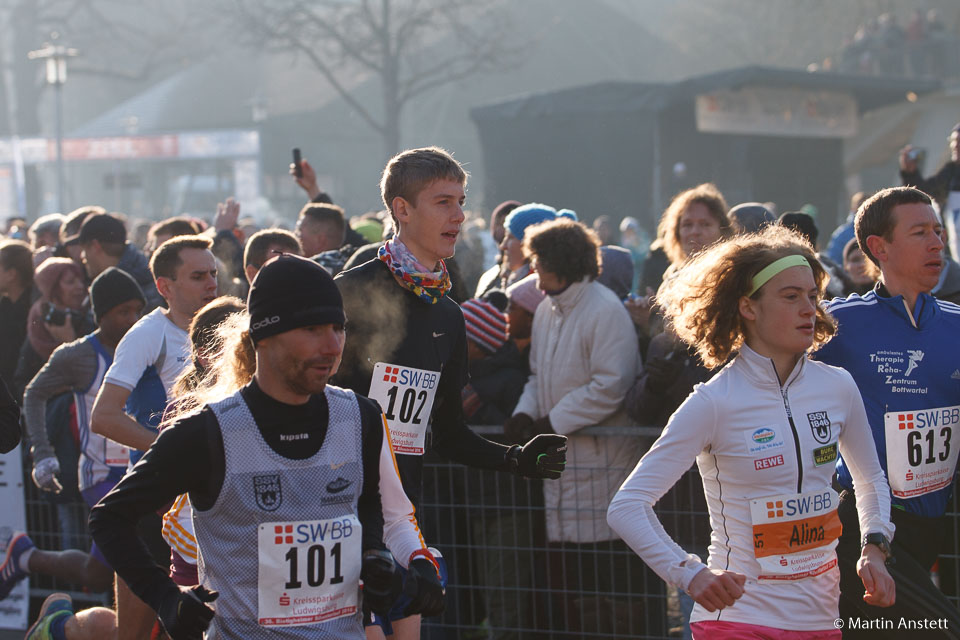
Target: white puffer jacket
(583,357)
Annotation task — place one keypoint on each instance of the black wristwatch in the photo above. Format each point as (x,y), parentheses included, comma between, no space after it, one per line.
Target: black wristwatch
(882,543)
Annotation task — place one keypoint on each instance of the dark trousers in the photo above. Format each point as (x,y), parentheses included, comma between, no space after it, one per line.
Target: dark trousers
(916,545)
(603,588)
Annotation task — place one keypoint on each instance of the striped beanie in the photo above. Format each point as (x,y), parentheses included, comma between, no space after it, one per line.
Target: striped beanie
(486,325)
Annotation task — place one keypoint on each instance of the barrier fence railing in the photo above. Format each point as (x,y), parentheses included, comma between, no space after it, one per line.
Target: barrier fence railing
(513,575)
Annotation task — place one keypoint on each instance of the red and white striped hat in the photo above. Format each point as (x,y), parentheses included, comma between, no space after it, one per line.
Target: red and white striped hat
(486,325)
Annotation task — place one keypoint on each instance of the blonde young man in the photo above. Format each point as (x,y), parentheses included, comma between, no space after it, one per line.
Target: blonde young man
(407,344)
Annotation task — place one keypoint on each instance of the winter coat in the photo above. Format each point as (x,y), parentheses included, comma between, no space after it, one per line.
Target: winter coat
(583,359)
(496,383)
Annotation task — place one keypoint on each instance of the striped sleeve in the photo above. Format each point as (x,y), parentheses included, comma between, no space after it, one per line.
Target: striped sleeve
(178,529)
(401,532)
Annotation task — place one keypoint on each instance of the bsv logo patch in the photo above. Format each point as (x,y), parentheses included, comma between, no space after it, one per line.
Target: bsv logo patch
(267,492)
(820,426)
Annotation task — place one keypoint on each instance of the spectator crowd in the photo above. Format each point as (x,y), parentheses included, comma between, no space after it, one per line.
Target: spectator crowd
(103,328)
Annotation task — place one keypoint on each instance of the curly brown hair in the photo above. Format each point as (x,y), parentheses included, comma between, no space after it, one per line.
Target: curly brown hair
(565,248)
(706,194)
(702,300)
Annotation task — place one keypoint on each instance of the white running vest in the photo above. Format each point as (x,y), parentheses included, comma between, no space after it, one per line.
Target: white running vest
(282,543)
(98,455)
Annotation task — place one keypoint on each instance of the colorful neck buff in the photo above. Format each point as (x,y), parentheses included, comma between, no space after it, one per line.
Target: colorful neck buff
(428,285)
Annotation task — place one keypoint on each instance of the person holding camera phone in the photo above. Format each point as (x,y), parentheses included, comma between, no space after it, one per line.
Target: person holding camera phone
(55,318)
(944,185)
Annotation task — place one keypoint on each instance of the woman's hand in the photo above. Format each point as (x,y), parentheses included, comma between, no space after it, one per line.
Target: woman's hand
(715,589)
(639,309)
(881,590)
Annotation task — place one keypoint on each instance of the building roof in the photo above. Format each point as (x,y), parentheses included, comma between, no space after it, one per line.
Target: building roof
(871,92)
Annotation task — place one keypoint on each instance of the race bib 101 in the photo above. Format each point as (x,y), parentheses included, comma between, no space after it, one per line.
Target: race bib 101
(309,571)
(406,396)
(794,535)
(921,453)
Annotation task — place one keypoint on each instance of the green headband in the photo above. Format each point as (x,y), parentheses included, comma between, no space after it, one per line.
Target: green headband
(776,267)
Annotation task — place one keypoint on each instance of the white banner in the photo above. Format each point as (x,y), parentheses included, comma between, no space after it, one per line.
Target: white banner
(778,112)
(15,607)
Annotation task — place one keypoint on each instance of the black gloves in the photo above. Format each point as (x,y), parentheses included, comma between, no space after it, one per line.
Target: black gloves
(381,581)
(423,588)
(518,428)
(662,373)
(521,427)
(543,457)
(185,613)
(541,425)
(381,585)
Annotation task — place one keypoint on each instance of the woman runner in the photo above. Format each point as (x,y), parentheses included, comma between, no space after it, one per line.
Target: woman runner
(765,432)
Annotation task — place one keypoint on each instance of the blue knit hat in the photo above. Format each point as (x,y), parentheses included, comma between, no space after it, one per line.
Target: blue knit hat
(526,215)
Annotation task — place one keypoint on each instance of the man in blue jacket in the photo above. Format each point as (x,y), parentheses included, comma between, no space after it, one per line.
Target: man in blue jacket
(900,345)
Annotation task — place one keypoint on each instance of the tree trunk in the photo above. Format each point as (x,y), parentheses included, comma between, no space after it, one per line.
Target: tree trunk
(391,107)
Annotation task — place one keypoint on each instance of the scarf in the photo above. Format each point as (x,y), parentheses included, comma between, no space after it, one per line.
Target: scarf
(427,285)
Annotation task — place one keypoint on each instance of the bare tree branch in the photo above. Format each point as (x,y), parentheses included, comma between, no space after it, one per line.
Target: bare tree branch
(330,77)
(411,46)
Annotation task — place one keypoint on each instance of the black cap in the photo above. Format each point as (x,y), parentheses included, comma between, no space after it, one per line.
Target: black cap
(112,288)
(102,227)
(801,222)
(750,217)
(291,292)
(70,229)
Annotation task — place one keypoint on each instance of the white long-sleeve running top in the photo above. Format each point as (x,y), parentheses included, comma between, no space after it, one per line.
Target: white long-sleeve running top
(766,454)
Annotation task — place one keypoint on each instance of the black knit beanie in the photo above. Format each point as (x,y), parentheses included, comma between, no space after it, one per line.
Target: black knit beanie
(112,288)
(290,292)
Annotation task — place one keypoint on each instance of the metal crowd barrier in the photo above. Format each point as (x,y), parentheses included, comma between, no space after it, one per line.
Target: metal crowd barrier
(56,526)
(507,580)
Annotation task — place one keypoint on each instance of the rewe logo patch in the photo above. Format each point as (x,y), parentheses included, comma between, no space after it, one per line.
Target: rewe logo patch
(767,463)
(266,322)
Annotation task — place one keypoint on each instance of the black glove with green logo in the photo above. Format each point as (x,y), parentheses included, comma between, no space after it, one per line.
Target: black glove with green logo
(543,457)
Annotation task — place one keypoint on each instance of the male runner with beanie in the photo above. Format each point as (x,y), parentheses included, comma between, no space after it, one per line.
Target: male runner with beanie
(292,480)
(407,345)
(76,367)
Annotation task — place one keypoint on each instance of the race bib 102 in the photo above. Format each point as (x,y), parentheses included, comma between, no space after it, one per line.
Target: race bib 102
(309,571)
(794,535)
(406,396)
(921,449)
